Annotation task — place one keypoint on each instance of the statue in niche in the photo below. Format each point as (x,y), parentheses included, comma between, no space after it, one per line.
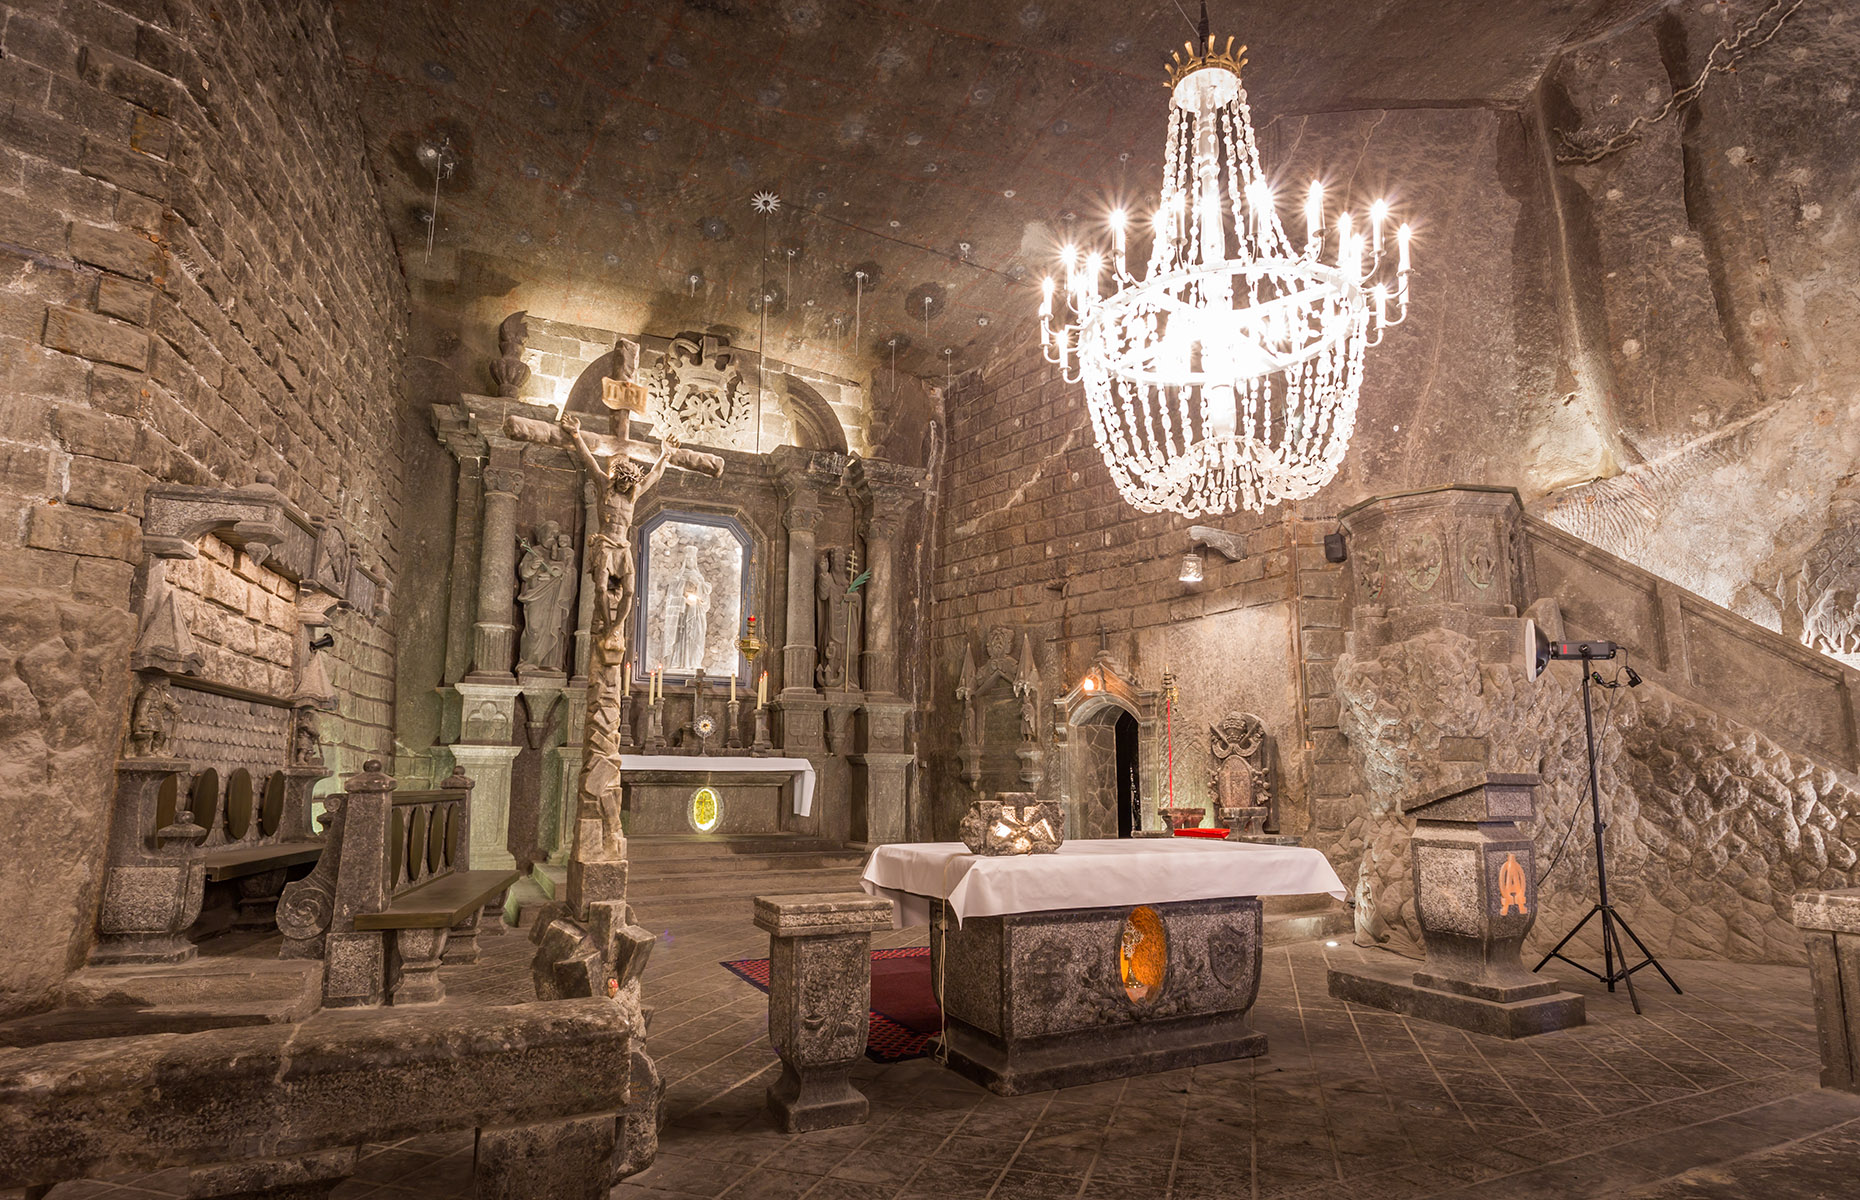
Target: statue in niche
(306,739)
(150,720)
(596,866)
(1239,776)
(687,614)
(548,575)
(841,616)
(508,370)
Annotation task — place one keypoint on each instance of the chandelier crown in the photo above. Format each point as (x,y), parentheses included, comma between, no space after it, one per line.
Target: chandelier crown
(1227,59)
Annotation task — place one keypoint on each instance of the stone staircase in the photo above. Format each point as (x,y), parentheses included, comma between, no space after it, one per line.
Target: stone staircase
(702,877)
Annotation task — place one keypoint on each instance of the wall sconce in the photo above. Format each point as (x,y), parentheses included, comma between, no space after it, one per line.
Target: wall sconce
(323,641)
(1232,547)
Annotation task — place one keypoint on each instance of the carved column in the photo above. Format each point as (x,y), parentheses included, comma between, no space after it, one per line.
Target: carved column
(494,632)
(886,493)
(802,475)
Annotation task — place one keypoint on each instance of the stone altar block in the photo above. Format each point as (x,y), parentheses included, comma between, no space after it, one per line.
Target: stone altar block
(1042,1000)
(1476,898)
(820,992)
(1830,923)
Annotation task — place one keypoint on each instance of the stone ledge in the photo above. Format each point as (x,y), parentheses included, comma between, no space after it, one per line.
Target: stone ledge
(815,914)
(1834,912)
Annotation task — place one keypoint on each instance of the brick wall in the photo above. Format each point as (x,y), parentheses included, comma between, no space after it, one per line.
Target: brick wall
(196,286)
(1033,534)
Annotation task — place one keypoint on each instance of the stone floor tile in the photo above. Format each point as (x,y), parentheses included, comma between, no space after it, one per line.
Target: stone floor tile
(1031,1185)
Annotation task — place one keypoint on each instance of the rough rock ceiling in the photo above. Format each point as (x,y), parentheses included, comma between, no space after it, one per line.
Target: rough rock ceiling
(606,153)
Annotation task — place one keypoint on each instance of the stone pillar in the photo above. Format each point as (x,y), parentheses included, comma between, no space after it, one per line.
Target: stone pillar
(489,767)
(1830,923)
(801,475)
(820,997)
(886,493)
(493,635)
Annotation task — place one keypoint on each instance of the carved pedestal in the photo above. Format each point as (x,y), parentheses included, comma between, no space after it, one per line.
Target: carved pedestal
(1072,996)
(1475,880)
(414,973)
(487,726)
(820,995)
(154,884)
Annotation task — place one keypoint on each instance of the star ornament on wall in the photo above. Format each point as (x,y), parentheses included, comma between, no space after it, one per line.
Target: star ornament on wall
(765,202)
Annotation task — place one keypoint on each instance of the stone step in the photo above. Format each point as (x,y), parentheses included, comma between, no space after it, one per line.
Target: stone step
(1287,928)
(758,865)
(655,847)
(265,990)
(709,885)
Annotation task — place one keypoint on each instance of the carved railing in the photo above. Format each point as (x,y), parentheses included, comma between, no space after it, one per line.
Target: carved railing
(1804,701)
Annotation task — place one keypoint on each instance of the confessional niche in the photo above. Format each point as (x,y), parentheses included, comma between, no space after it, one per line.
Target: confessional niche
(1143,954)
(1105,728)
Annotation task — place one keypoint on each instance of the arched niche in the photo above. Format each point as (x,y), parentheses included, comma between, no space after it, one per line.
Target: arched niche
(1095,761)
(812,423)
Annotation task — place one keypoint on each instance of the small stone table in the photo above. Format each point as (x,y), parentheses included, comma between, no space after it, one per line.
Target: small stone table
(1830,923)
(820,998)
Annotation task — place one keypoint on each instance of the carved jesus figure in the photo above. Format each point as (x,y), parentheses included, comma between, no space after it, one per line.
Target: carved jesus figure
(597,865)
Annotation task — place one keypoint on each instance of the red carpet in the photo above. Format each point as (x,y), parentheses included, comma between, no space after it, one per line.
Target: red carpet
(905,1017)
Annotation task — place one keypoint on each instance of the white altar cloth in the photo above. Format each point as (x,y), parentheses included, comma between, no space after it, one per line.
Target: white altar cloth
(800,769)
(1107,873)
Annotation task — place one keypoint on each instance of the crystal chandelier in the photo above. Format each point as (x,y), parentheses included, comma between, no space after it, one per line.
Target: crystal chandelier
(1229,375)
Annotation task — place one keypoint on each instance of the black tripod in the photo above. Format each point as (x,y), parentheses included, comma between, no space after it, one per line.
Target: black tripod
(1612,949)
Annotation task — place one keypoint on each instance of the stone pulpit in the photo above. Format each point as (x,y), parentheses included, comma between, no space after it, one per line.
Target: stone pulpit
(1475,880)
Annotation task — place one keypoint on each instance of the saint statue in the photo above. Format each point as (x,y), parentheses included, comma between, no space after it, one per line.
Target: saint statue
(687,615)
(547,572)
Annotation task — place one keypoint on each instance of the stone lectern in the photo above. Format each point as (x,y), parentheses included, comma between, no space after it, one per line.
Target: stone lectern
(820,990)
(1475,885)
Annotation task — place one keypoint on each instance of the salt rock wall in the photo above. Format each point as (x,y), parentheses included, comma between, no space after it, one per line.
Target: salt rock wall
(1711,826)
(1719,251)
(196,287)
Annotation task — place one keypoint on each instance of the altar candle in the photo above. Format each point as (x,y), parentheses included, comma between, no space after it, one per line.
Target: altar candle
(762,690)
(732,687)
(626,679)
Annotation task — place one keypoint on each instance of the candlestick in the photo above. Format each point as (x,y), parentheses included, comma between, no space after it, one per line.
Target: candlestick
(761,747)
(734,740)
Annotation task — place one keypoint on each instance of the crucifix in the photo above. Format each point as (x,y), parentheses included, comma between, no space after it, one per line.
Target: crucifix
(628,470)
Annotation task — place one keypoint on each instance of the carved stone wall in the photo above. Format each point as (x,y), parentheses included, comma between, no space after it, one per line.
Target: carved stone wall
(242,616)
(200,287)
(1712,826)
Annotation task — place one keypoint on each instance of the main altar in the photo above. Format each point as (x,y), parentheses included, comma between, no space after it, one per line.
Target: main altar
(1103,959)
(759,670)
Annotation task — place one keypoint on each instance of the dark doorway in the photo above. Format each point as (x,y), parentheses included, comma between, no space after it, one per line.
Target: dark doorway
(1127,793)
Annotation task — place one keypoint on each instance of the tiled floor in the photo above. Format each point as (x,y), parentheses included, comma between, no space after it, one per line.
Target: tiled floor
(1710,1094)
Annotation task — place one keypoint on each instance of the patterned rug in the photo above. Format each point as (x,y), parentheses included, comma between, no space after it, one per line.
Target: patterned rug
(905,1016)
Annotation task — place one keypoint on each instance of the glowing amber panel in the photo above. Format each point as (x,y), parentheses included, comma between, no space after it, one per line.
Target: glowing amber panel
(1143,953)
(706,808)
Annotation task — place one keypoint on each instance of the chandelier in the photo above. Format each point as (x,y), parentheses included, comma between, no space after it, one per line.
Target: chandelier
(1228,376)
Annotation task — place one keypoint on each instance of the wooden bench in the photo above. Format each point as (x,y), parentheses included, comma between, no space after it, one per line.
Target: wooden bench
(394,896)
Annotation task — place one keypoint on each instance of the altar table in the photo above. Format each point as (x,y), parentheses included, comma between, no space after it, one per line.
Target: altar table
(799,769)
(1104,959)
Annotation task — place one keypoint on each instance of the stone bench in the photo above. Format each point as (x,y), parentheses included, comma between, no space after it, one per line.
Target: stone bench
(179,824)
(1830,924)
(393,896)
(256,1108)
